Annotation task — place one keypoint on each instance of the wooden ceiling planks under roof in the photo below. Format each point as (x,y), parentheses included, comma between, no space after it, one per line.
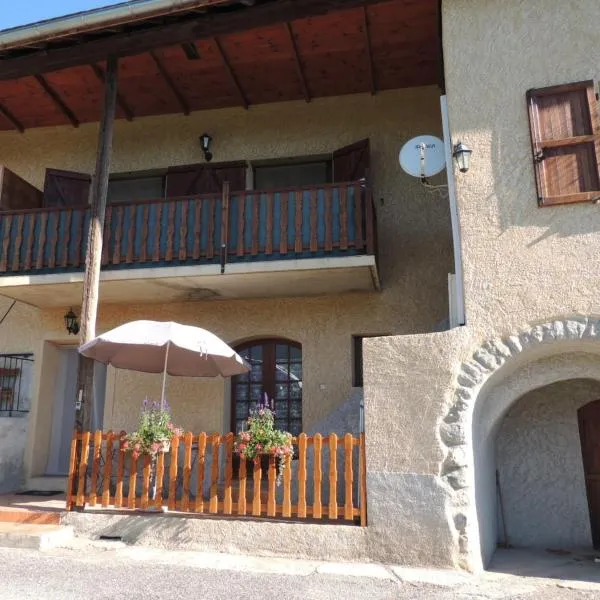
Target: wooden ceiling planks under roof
(367,48)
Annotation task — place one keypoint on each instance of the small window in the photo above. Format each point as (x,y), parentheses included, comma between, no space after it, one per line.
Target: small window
(565,134)
(136,188)
(15,384)
(291,175)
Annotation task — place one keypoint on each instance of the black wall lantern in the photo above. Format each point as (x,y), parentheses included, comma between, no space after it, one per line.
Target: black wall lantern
(462,156)
(71,322)
(205,142)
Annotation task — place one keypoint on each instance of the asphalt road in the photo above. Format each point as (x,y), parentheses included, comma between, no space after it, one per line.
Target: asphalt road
(95,574)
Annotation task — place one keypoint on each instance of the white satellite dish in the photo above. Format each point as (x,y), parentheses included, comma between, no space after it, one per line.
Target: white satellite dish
(423,156)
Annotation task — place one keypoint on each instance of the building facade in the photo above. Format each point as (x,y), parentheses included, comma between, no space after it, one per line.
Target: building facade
(454,418)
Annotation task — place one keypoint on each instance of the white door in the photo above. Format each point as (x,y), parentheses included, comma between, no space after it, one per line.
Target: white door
(63,414)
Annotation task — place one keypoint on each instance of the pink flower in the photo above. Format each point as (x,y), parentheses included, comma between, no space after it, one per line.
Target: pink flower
(137,447)
(156,446)
(135,455)
(125,445)
(242,447)
(259,447)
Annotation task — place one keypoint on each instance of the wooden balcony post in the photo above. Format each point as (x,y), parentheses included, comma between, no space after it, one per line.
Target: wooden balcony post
(98,192)
(224,224)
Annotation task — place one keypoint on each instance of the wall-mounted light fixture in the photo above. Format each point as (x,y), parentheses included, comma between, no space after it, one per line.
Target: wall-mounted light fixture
(205,142)
(71,322)
(462,156)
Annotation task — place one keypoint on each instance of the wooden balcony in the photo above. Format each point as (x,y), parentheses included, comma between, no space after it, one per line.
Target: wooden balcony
(325,481)
(208,244)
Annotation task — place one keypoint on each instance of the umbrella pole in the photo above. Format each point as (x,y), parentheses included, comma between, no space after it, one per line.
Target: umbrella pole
(164,381)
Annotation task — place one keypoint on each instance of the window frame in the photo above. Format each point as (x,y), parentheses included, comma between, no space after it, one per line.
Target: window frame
(16,390)
(269,378)
(539,144)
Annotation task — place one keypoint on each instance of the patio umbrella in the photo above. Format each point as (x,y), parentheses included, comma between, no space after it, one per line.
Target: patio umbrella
(165,347)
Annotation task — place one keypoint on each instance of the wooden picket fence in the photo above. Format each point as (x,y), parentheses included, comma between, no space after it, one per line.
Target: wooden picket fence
(111,478)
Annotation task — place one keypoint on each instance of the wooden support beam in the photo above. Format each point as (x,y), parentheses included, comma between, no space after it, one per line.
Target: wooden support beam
(185,107)
(120,100)
(369,51)
(298,64)
(11,119)
(213,23)
(57,100)
(231,74)
(93,259)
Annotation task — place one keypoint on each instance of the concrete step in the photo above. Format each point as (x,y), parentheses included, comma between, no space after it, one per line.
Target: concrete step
(29,517)
(35,537)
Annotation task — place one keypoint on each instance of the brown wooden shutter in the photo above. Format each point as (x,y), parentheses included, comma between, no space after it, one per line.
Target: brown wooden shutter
(565,134)
(351,163)
(205,179)
(66,188)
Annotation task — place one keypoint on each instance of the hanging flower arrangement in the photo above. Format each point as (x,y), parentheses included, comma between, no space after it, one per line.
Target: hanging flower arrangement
(260,438)
(154,433)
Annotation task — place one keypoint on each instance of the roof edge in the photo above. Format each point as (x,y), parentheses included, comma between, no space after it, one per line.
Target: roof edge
(99,18)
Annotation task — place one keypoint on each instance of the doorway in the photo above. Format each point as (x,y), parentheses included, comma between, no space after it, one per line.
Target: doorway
(63,409)
(589,434)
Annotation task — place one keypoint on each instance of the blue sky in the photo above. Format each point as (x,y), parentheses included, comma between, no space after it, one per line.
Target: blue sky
(21,12)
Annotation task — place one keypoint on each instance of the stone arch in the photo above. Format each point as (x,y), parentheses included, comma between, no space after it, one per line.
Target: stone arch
(494,361)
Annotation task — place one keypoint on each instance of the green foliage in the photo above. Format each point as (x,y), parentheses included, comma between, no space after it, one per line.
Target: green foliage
(154,432)
(261,438)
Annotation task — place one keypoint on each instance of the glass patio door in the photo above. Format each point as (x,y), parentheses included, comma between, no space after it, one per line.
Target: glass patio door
(276,369)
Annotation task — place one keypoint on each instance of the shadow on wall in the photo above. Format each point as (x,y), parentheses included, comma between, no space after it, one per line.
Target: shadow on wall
(13,435)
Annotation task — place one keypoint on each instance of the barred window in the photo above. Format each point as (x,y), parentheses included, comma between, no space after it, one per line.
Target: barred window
(15,384)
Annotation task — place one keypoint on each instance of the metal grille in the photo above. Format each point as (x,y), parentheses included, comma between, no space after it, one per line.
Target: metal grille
(15,383)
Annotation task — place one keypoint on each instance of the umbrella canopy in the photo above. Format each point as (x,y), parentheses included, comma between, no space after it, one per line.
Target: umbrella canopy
(158,347)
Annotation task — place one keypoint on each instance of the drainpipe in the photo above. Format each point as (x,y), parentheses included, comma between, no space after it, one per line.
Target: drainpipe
(459,294)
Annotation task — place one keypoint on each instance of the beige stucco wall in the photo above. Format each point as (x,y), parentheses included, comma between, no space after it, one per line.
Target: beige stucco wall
(521,262)
(414,247)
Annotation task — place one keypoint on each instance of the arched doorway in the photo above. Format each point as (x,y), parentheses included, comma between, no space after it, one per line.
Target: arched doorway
(541,500)
(276,370)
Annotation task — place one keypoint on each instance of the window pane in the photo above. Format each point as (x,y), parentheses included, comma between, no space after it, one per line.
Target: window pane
(256,372)
(296,409)
(131,189)
(295,390)
(255,392)
(295,175)
(296,371)
(282,353)
(281,373)
(241,393)
(281,391)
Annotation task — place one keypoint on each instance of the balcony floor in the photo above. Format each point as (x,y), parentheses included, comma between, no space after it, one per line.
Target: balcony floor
(285,278)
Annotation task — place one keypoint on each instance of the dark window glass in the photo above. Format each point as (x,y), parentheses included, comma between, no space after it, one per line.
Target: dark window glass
(275,369)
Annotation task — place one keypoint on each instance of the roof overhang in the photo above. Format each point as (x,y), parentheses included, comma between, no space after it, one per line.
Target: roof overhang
(88,21)
(244,52)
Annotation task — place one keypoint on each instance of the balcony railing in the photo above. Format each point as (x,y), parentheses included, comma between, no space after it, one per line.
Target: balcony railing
(315,221)
(325,480)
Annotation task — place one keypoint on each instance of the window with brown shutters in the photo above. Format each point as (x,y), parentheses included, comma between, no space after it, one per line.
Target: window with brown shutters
(565,134)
